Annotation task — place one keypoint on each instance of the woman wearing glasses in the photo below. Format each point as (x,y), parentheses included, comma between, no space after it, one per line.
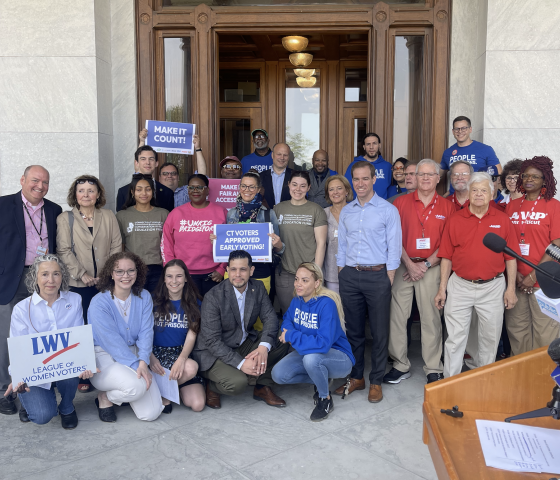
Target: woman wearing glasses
(186,235)
(141,224)
(536,218)
(95,236)
(508,178)
(397,184)
(123,333)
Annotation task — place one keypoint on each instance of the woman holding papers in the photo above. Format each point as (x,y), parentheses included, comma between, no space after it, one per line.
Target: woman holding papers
(176,325)
(123,332)
(186,235)
(50,307)
(141,224)
(314,326)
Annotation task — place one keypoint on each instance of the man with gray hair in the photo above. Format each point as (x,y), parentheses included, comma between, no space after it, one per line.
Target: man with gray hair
(460,173)
(27,230)
(477,283)
(424,215)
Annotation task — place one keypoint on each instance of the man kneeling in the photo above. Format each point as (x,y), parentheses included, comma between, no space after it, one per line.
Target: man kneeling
(229,349)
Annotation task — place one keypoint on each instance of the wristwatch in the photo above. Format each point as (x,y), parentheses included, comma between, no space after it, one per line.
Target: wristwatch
(198,149)
(428,264)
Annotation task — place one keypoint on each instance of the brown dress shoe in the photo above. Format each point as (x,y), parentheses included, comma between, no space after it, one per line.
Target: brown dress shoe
(375,394)
(212,398)
(351,385)
(265,394)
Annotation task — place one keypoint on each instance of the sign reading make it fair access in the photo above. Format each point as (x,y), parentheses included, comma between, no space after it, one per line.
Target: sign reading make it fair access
(50,356)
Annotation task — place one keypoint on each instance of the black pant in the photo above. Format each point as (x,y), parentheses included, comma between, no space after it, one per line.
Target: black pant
(152,280)
(87,293)
(203,282)
(363,293)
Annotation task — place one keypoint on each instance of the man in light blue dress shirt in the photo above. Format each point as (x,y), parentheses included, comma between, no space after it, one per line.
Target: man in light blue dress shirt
(369,252)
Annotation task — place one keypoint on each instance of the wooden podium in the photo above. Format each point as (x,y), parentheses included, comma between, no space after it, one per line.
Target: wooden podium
(494,392)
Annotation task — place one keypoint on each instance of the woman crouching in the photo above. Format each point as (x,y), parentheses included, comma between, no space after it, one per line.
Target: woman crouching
(314,326)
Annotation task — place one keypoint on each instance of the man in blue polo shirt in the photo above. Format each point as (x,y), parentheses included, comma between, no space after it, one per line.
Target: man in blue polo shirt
(261,158)
(479,155)
(383,172)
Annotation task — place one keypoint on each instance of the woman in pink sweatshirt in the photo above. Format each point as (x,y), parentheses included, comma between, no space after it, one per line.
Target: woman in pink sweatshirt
(186,235)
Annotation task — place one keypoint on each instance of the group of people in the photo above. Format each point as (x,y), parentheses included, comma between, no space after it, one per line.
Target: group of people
(347,250)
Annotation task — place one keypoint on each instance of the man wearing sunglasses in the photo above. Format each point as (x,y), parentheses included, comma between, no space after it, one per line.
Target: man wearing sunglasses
(261,159)
(146,162)
(27,230)
(230,168)
(478,155)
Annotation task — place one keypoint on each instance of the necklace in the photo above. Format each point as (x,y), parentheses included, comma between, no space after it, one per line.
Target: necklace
(86,218)
(124,305)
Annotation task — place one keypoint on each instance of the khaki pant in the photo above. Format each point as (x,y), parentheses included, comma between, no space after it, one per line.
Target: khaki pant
(430,320)
(487,299)
(528,327)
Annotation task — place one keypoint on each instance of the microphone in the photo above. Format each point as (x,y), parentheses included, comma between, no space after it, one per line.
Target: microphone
(497,244)
(553,252)
(554,351)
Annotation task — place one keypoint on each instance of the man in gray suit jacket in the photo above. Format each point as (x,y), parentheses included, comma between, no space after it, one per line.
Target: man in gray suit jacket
(228,347)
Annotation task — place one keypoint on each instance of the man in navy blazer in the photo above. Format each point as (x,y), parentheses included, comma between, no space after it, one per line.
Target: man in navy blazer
(27,229)
(275,181)
(146,162)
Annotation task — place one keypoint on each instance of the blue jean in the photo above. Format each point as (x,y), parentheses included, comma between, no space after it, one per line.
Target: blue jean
(40,404)
(314,368)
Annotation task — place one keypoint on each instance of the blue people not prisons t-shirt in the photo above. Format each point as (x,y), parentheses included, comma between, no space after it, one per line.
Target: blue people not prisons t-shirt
(174,333)
(260,164)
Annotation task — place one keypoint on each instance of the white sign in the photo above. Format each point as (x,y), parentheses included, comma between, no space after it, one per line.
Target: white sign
(548,306)
(50,356)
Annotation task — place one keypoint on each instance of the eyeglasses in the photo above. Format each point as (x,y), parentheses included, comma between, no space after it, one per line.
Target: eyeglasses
(81,182)
(512,178)
(121,273)
(396,169)
(169,174)
(196,188)
(424,175)
(528,176)
(260,136)
(461,174)
(233,166)
(251,188)
(461,129)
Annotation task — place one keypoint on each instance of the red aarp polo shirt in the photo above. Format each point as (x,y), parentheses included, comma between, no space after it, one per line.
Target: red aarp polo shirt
(540,222)
(417,219)
(458,206)
(462,243)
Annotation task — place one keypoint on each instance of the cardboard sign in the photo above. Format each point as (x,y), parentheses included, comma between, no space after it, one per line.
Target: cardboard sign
(251,237)
(223,192)
(50,356)
(170,137)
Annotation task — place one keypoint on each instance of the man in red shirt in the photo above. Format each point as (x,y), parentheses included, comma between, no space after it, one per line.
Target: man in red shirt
(478,282)
(423,217)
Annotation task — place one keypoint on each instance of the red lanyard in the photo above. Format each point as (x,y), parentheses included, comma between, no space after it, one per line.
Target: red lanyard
(427,216)
(523,224)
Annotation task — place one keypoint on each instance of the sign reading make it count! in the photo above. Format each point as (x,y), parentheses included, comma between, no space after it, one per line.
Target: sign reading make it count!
(170,137)
(50,356)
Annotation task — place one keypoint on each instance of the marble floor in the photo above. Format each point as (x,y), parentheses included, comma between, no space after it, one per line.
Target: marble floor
(244,440)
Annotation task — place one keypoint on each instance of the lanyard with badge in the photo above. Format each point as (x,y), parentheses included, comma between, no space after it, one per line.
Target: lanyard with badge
(524,247)
(424,243)
(40,249)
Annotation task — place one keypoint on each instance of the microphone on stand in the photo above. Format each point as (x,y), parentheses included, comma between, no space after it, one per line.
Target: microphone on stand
(553,251)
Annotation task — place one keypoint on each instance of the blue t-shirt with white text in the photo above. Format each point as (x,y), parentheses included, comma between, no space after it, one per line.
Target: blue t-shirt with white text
(383,174)
(174,333)
(260,164)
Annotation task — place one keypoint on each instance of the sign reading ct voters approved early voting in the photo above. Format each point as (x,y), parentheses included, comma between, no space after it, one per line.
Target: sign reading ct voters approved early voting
(50,356)
(251,237)
(170,137)
(223,192)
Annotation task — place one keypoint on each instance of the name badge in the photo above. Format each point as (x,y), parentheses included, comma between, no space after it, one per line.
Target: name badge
(422,243)
(335,233)
(41,250)
(524,247)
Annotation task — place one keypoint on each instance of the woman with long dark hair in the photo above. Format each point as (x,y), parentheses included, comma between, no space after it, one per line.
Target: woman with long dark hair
(536,218)
(141,225)
(176,325)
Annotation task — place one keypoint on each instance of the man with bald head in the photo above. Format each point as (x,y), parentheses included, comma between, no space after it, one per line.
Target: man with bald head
(318,176)
(275,180)
(27,230)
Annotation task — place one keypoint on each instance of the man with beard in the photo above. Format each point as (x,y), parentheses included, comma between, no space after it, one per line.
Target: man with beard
(460,173)
(318,176)
(261,159)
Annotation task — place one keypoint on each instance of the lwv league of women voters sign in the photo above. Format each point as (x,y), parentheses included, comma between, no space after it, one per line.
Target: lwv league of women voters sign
(50,356)
(251,237)
(223,192)
(170,137)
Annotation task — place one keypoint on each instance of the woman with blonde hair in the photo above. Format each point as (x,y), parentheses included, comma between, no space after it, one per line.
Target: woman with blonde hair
(314,326)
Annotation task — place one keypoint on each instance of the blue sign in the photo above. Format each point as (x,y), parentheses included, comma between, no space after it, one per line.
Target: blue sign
(251,237)
(170,137)
(556,375)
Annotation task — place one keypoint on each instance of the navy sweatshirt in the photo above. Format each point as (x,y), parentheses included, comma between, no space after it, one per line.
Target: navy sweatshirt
(314,327)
